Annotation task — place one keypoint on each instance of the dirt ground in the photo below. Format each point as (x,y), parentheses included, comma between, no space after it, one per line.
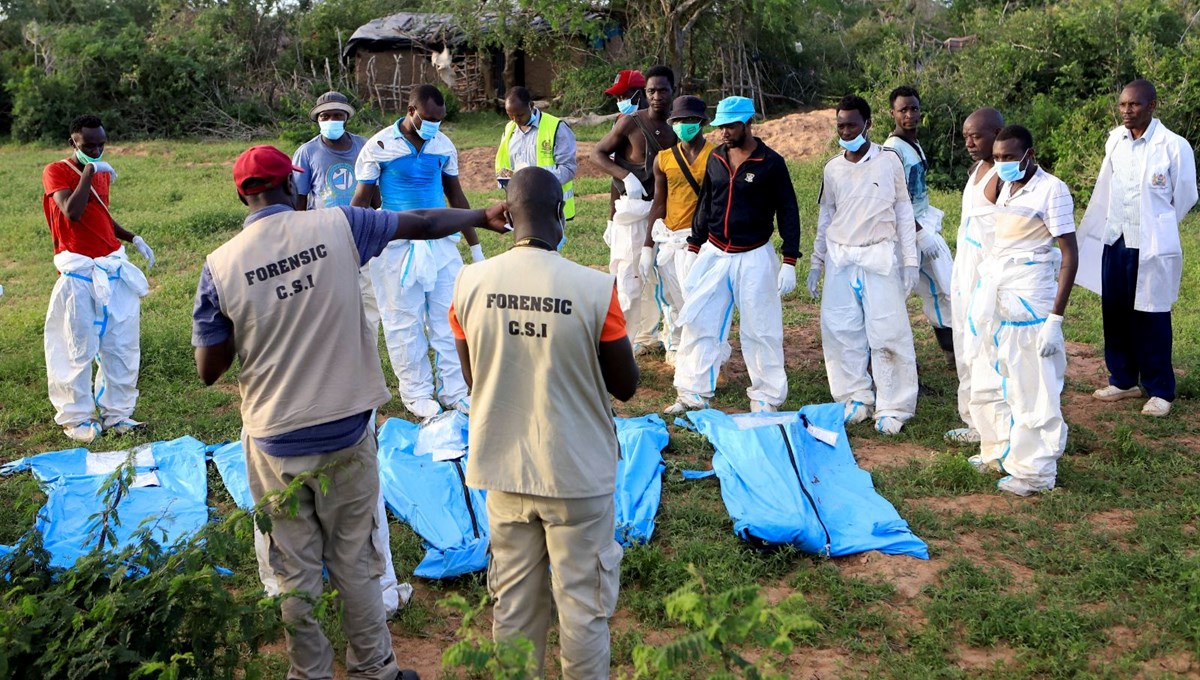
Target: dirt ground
(796,136)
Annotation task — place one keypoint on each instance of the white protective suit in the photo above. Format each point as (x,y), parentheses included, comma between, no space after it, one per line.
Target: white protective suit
(94,315)
(976,229)
(1020,423)
(670,261)
(625,237)
(395,594)
(716,282)
(1169,192)
(1021,428)
(865,235)
(936,276)
(414,286)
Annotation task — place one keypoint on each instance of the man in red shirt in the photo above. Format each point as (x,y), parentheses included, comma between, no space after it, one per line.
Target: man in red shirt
(95,305)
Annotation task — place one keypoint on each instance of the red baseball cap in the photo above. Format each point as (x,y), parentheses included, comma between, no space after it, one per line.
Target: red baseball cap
(265,163)
(626,81)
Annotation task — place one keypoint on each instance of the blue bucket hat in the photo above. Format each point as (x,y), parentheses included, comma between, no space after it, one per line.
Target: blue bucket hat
(733,110)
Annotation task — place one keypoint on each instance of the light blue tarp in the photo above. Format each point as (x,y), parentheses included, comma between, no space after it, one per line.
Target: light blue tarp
(783,486)
(170,493)
(431,495)
(639,476)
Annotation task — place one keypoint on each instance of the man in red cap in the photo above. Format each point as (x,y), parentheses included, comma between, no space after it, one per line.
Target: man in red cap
(629,89)
(627,153)
(283,296)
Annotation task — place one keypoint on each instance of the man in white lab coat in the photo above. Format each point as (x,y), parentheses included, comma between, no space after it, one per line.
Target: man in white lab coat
(1129,248)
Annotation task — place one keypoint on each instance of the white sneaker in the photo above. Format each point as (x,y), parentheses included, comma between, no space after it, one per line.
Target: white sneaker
(1015,486)
(962,435)
(856,412)
(424,408)
(981,467)
(125,426)
(682,406)
(1114,393)
(1157,407)
(463,406)
(85,432)
(889,425)
(757,406)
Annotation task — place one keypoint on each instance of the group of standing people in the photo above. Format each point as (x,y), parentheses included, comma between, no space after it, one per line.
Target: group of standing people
(351,234)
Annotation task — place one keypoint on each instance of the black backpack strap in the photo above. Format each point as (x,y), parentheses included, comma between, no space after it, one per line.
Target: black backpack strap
(687,172)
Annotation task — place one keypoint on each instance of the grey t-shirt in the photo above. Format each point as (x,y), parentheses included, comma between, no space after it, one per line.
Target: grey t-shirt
(328,177)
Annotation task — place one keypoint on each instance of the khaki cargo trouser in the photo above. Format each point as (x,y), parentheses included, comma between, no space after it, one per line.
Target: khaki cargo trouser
(565,547)
(332,530)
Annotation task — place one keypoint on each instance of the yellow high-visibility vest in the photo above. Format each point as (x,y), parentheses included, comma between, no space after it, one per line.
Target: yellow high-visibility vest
(547,129)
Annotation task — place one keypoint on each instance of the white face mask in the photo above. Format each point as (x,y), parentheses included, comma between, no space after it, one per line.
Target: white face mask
(332,129)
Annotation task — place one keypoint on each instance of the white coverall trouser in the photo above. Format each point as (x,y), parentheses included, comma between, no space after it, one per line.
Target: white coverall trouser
(414,286)
(669,262)
(625,237)
(968,256)
(936,278)
(1020,424)
(864,321)
(716,282)
(94,315)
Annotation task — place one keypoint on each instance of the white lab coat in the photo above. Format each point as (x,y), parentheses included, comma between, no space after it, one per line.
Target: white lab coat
(1168,192)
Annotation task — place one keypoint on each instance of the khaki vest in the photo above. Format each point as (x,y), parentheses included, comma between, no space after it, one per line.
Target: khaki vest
(289,283)
(541,419)
(547,130)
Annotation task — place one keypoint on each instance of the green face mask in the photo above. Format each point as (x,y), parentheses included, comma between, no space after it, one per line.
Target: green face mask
(686,131)
(85,159)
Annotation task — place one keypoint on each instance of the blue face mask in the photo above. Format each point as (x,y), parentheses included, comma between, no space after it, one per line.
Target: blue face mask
(428,129)
(627,106)
(332,129)
(1010,171)
(853,144)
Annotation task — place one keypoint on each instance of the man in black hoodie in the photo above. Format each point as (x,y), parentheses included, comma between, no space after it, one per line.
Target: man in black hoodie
(746,189)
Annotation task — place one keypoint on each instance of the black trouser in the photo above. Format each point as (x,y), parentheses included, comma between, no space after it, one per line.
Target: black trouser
(1137,345)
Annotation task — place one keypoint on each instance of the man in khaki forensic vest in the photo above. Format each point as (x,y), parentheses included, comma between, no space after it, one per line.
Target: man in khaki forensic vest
(283,296)
(535,138)
(543,343)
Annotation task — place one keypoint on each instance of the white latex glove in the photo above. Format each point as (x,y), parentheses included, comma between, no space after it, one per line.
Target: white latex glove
(814,283)
(787,279)
(646,263)
(1050,338)
(910,275)
(140,244)
(927,243)
(633,187)
(103,166)
(477,253)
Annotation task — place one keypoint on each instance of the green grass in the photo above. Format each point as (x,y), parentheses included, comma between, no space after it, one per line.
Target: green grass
(1044,587)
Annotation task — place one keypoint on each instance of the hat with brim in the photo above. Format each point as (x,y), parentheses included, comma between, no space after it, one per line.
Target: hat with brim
(263,167)
(331,101)
(626,81)
(687,106)
(733,110)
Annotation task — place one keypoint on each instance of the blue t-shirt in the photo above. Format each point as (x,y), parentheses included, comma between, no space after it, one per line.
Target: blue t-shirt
(408,178)
(328,177)
(372,231)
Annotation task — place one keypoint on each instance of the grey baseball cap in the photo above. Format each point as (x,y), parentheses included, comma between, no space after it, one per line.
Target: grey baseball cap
(331,101)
